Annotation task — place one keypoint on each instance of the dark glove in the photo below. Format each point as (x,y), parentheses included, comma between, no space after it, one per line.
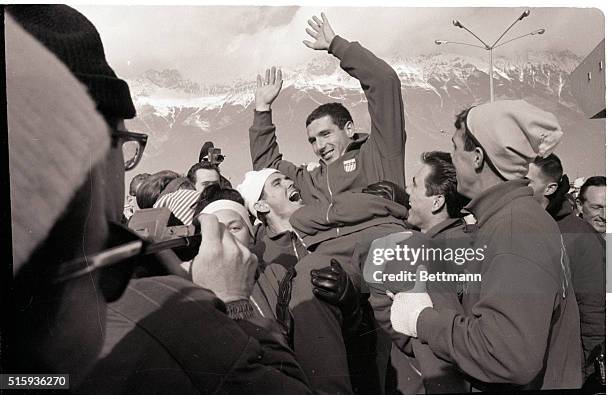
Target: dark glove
(333,285)
(390,191)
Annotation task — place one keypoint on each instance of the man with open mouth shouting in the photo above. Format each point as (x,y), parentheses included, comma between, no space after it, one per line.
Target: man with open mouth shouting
(296,244)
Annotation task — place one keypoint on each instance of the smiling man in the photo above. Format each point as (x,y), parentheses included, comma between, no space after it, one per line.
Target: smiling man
(592,202)
(348,160)
(433,192)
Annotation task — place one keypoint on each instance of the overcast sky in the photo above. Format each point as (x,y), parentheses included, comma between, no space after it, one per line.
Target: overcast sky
(214,44)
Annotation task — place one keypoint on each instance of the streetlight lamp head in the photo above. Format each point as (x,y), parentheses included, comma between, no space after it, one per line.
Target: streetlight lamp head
(525,14)
(439,42)
(457,23)
(540,31)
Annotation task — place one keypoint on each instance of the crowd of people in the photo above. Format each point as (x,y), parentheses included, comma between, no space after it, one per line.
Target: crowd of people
(283,294)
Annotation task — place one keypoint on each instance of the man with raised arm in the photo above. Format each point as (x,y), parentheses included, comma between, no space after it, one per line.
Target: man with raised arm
(348,159)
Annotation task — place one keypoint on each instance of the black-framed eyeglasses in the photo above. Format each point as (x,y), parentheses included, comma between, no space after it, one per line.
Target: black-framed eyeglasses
(132,145)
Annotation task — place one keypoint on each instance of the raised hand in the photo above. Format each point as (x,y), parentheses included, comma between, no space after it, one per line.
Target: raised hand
(321,31)
(223,264)
(268,89)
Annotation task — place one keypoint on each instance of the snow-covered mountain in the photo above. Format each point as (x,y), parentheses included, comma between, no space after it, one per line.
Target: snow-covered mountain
(179,115)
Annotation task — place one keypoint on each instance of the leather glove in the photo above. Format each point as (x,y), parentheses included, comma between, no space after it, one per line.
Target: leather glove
(333,285)
(390,191)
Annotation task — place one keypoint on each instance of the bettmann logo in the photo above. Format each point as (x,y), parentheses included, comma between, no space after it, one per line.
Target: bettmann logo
(350,165)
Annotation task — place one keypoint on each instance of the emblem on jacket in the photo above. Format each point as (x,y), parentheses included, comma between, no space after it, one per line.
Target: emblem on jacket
(350,165)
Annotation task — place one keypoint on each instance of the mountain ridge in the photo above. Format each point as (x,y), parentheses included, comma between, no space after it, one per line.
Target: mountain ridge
(179,114)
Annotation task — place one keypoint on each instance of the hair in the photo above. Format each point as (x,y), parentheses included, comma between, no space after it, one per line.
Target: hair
(552,168)
(442,180)
(177,184)
(213,193)
(191,174)
(470,143)
(336,111)
(185,183)
(137,181)
(595,181)
(149,191)
(225,183)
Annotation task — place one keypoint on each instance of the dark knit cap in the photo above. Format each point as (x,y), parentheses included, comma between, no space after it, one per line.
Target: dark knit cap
(76,42)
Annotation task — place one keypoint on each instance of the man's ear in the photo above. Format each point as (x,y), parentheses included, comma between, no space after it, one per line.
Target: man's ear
(551,188)
(478,158)
(349,129)
(438,204)
(579,205)
(261,207)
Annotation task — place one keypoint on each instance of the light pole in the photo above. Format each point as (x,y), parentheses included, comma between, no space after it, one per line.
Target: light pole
(488,47)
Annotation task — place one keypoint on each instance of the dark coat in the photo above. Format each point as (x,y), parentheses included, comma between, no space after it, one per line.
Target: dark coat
(519,328)
(413,366)
(348,213)
(587,255)
(344,233)
(166,335)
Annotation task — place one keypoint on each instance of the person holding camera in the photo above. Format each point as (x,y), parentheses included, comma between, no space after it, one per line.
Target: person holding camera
(158,333)
(211,155)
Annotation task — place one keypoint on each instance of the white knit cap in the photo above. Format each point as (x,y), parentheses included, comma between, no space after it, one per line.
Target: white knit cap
(224,204)
(55,136)
(252,187)
(513,133)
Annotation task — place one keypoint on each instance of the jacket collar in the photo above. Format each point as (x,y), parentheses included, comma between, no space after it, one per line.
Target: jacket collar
(353,145)
(444,225)
(491,200)
(276,235)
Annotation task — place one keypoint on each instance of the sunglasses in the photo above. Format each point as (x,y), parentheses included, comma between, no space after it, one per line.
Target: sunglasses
(132,145)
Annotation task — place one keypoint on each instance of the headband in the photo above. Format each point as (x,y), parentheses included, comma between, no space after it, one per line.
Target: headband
(224,204)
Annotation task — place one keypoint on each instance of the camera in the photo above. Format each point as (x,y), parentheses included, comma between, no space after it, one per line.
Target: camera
(214,156)
(210,154)
(163,230)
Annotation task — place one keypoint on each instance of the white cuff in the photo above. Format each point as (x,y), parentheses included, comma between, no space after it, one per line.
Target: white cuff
(406,309)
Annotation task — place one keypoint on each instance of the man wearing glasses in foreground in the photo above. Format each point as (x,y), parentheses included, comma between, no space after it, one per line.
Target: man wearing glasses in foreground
(161,333)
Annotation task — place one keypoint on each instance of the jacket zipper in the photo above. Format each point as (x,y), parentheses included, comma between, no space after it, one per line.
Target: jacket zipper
(254,302)
(331,196)
(294,233)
